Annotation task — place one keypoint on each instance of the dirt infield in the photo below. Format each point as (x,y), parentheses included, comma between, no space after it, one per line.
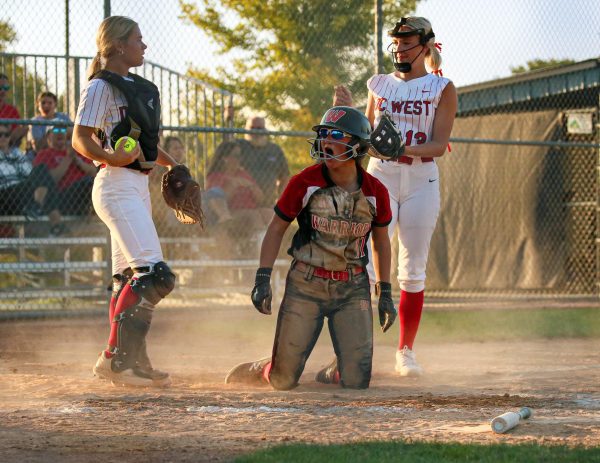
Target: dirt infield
(53,409)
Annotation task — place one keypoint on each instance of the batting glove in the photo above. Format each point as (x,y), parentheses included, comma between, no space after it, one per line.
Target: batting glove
(261,293)
(387,311)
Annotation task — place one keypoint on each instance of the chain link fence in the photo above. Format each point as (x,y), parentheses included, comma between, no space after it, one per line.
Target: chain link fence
(519,188)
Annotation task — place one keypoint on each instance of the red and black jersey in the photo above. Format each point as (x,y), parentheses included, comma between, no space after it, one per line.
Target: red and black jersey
(334,225)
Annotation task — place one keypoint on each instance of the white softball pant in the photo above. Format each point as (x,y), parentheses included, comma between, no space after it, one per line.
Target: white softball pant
(415,202)
(122,201)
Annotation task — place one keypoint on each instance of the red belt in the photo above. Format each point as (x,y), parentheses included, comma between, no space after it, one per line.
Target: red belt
(336,275)
(408,160)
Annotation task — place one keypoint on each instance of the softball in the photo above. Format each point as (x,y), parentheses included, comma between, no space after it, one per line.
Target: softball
(129,145)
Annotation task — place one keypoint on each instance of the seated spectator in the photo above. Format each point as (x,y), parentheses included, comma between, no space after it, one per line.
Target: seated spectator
(226,172)
(8,111)
(25,189)
(72,173)
(242,193)
(265,161)
(46,106)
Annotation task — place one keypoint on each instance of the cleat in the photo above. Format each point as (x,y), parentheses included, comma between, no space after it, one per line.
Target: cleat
(144,367)
(103,369)
(159,378)
(248,372)
(130,377)
(330,374)
(406,363)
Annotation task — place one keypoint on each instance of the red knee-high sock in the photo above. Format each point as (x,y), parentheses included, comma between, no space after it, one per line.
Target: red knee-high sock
(111,308)
(127,298)
(409,313)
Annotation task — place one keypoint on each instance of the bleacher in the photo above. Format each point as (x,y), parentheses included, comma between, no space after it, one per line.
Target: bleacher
(45,273)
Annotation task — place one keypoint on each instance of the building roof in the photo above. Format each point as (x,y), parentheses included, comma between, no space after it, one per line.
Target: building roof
(568,86)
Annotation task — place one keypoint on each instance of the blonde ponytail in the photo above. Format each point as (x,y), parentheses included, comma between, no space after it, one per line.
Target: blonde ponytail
(433,58)
(96,66)
(112,30)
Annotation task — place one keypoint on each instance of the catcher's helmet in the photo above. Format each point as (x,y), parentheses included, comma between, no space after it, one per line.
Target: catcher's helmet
(351,122)
(397,32)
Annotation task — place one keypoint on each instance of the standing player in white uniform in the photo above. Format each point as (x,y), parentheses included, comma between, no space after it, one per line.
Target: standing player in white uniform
(110,108)
(422,106)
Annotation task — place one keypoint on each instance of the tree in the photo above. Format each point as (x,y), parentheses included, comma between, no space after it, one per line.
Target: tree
(536,64)
(7,35)
(294,51)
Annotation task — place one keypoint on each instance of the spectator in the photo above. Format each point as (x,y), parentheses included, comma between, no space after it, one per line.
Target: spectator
(25,189)
(72,173)
(8,111)
(46,106)
(264,160)
(243,195)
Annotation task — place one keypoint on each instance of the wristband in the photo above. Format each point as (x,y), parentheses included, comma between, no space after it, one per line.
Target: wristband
(383,287)
(263,272)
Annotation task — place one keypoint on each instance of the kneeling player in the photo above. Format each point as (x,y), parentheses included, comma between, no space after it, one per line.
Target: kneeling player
(337,205)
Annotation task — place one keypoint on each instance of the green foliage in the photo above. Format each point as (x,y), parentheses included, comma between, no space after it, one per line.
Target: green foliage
(423,452)
(536,64)
(7,35)
(291,53)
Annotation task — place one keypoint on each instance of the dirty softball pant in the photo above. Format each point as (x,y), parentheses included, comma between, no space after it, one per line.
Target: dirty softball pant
(306,303)
(122,201)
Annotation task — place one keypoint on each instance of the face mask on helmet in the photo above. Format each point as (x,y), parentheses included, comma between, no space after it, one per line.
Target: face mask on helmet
(319,153)
(406,67)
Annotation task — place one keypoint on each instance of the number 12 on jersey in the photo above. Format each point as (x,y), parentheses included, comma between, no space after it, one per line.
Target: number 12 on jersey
(420,138)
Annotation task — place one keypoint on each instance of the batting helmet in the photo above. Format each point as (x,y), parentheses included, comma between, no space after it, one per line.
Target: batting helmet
(349,121)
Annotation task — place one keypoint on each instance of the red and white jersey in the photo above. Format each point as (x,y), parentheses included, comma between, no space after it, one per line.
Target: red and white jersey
(411,104)
(334,225)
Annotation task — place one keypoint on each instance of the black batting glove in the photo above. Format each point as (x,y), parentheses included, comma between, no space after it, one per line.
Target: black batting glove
(387,311)
(261,293)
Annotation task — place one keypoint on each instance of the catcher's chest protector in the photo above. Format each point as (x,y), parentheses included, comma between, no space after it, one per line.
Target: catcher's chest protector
(142,118)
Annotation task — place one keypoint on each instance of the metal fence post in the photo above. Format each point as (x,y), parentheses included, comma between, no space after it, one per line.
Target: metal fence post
(378,41)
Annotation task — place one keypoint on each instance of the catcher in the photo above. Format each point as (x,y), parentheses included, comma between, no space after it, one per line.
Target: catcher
(114,104)
(337,205)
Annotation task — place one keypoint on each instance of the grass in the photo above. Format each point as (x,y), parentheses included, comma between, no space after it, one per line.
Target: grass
(422,452)
(497,325)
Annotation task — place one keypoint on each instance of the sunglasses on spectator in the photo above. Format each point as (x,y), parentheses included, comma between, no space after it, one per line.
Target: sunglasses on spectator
(5,134)
(335,133)
(59,130)
(5,87)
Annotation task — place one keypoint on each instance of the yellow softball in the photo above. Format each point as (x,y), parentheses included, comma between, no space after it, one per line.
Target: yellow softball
(129,145)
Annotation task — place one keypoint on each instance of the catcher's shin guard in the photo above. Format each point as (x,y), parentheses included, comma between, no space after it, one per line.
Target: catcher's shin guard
(135,315)
(134,324)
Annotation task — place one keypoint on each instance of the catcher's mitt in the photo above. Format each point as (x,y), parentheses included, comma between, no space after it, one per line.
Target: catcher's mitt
(386,142)
(182,194)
